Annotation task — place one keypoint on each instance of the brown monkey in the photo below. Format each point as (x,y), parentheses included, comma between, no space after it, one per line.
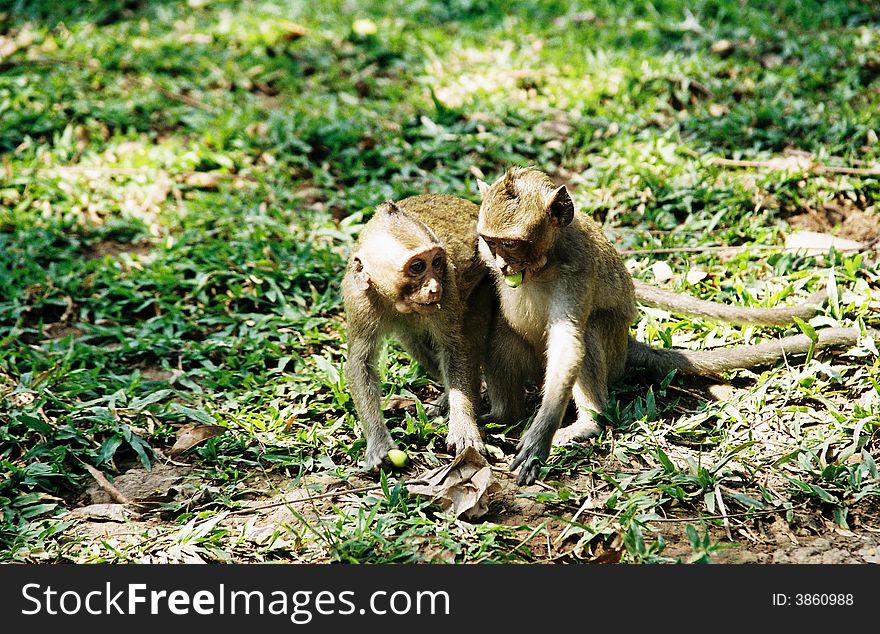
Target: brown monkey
(566,305)
(415,274)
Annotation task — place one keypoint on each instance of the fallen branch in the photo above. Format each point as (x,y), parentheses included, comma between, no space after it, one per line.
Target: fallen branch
(799,163)
(740,249)
(106,486)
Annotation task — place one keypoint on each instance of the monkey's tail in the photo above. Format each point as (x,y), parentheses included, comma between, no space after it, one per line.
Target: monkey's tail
(686,305)
(711,363)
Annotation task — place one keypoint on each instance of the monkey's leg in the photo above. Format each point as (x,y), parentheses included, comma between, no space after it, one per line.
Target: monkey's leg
(590,393)
(604,362)
(509,365)
(363,384)
(565,356)
(462,381)
(419,348)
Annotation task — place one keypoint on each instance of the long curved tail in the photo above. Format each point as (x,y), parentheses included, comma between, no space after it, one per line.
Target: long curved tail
(687,305)
(712,363)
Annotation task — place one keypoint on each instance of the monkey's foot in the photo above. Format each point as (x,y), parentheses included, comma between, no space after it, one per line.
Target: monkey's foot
(377,454)
(458,440)
(576,432)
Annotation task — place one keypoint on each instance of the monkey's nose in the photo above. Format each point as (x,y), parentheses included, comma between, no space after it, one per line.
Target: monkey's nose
(434,291)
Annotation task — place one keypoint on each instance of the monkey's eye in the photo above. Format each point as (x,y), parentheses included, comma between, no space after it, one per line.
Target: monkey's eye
(418,267)
(437,263)
(509,244)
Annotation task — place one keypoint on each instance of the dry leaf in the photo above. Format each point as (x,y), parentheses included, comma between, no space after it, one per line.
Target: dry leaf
(462,487)
(396,402)
(662,271)
(815,243)
(696,275)
(203,180)
(723,48)
(191,435)
(292,30)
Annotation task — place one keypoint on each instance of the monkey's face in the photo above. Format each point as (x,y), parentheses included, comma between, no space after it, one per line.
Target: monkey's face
(509,256)
(421,282)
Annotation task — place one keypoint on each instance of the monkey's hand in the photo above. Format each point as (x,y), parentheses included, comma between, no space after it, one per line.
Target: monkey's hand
(531,453)
(440,407)
(377,453)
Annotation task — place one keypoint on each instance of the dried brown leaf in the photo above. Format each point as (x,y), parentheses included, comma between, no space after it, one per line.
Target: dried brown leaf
(191,435)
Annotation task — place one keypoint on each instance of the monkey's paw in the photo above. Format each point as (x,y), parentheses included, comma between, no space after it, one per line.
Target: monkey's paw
(576,432)
(377,455)
(531,454)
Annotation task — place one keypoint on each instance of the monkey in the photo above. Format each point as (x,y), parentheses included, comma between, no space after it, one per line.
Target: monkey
(566,303)
(415,274)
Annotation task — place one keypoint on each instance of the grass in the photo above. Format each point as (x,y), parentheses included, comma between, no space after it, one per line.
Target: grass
(181,184)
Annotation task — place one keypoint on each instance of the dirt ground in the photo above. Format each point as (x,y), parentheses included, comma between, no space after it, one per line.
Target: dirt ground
(278,515)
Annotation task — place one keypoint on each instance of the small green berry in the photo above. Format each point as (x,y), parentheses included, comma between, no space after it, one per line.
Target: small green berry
(398,458)
(513,280)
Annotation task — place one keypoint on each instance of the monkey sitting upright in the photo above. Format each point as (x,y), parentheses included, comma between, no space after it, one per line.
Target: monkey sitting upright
(566,305)
(415,274)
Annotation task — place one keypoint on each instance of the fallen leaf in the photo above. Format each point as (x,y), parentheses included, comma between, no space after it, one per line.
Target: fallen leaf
(722,392)
(397,402)
(723,48)
(718,110)
(696,275)
(462,487)
(191,435)
(364,27)
(815,243)
(662,271)
(292,30)
(203,180)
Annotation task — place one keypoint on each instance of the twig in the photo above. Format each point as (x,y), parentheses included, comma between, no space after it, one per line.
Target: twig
(740,249)
(806,165)
(186,99)
(105,484)
(587,501)
(321,496)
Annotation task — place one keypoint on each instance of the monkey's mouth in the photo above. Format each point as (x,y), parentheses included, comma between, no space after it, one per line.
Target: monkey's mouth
(427,308)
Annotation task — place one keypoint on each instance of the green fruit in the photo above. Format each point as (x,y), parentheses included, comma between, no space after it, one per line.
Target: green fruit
(398,458)
(513,280)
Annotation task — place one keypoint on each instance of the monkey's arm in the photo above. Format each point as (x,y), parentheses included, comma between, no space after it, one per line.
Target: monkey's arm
(712,363)
(461,378)
(687,305)
(565,354)
(362,377)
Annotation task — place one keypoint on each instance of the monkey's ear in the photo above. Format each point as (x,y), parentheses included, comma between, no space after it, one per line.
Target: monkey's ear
(484,187)
(388,207)
(361,277)
(561,207)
